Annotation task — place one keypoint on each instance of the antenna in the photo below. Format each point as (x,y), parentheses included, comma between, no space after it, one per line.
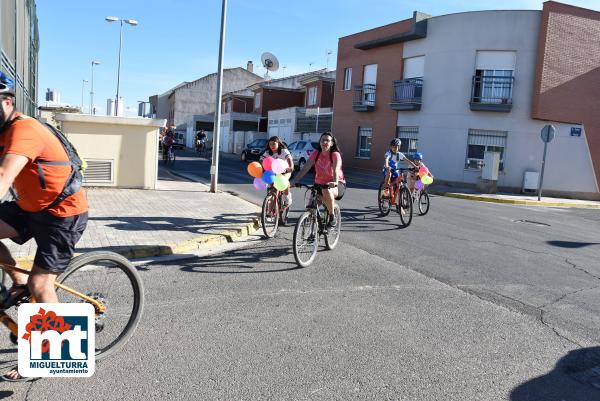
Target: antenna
(270,62)
(284,67)
(327,65)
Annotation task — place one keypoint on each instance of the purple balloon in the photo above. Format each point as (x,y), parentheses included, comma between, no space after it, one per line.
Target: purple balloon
(259,184)
(268,177)
(419,185)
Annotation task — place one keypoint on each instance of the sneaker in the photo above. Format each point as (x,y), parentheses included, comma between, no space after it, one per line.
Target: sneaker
(332,221)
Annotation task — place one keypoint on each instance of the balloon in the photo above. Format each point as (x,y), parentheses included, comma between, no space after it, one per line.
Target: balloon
(268,177)
(281,183)
(268,163)
(259,184)
(427,180)
(419,185)
(278,166)
(423,170)
(255,169)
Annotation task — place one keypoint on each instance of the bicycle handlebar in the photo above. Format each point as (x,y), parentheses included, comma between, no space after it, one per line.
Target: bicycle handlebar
(315,186)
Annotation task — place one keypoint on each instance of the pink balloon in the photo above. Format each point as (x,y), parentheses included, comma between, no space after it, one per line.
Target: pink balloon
(259,184)
(268,163)
(279,166)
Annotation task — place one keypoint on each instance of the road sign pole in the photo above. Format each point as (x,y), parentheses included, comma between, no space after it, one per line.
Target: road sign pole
(214,168)
(542,173)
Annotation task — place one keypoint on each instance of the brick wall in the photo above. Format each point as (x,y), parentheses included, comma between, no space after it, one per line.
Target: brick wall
(567,85)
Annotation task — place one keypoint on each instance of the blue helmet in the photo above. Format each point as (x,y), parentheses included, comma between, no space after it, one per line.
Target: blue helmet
(6,85)
(418,156)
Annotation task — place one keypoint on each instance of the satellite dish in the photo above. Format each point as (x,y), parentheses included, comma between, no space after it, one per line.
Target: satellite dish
(270,62)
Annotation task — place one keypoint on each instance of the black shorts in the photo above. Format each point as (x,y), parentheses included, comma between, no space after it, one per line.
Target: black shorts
(341,190)
(55,236)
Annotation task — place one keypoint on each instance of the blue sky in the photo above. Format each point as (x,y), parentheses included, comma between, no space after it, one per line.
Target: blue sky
(177,40)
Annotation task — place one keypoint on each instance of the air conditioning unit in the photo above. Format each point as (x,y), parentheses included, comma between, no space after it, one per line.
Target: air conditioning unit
(530,181)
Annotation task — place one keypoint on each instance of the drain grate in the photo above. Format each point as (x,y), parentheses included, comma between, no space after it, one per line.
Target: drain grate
(535,223)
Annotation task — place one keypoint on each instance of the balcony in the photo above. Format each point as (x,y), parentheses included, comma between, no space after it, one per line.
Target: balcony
(364,98)
(407,94)
(491,93)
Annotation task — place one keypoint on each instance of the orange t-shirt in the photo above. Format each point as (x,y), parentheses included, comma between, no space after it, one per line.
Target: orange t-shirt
(30,138)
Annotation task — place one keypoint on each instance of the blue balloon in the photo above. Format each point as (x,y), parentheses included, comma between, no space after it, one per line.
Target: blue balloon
(268,177)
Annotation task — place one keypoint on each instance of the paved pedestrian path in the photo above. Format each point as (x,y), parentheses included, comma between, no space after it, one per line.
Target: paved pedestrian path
(179,216)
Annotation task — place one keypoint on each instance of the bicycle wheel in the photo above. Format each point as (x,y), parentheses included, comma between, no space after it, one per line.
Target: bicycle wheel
(306,239)
(332,237)
(383,201)
(405,206)
(423,203)
(269,217)
(111,279)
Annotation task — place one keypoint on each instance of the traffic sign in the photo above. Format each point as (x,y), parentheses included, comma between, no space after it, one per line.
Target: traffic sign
(548,133)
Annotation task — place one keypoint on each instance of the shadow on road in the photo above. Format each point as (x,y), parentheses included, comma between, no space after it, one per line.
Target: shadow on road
(571,244)
(576,377)
(5,394)
(245,260)
(368,218)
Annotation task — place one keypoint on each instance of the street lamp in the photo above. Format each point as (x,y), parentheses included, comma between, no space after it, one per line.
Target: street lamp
(82,86)
(92,88)
(131,22)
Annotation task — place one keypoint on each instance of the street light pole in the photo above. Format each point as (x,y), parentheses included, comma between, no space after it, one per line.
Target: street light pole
(214,168)
(82,87)
(131,22)
(92,88)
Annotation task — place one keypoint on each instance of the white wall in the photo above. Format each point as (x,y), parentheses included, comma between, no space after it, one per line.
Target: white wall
(444,120)
(285,129)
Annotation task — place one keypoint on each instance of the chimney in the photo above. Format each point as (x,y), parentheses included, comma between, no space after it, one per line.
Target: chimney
(250,66)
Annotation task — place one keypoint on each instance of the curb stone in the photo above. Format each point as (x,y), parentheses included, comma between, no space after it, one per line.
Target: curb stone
(146,251)
(515,201)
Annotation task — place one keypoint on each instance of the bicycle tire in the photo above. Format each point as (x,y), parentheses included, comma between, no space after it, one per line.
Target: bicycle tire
(265,215)
(332,241)
(382,202)
(306,221)
(423,203)
(405,206)
(90,267)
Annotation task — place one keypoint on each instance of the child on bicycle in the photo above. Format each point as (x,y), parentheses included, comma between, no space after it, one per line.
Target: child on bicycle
(277,149)
(417,163)
(392,159)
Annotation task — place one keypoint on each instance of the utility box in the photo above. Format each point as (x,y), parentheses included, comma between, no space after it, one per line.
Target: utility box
(530,181)
(491,166)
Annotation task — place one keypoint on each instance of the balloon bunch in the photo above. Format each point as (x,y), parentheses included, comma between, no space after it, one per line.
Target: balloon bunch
(424,178)
(271,172)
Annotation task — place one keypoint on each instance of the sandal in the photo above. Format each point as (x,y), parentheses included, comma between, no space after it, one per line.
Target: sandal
(18,293)
(20,379)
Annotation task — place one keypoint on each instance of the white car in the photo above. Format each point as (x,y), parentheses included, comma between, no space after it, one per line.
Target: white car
(300,151)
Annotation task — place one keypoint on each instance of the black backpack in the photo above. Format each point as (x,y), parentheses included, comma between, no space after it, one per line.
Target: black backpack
(78,166)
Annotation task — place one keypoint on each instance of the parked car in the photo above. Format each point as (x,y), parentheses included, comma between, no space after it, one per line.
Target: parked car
(300,151)
(253,150)
(179,140)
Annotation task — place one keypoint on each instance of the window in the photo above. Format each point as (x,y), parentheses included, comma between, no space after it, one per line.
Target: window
(365,136)
(312,96)
(257,100)
(347,79)
(481,141)
(409,137)
(493,86)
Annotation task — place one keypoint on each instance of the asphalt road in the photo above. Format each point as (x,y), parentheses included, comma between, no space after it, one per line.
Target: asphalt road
(473,301)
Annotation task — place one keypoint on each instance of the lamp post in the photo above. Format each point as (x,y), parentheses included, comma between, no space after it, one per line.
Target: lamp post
(82,87)
(131,22)
(92,88)
(214,168)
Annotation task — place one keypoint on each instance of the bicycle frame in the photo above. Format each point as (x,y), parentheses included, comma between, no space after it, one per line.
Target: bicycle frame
(313,207)
(12,325)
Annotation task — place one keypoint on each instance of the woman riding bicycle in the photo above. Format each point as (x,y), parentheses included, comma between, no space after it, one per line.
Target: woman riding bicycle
(327,161)
(278,150)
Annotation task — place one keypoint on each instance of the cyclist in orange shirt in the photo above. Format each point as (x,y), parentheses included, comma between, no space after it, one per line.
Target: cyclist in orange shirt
(35,163)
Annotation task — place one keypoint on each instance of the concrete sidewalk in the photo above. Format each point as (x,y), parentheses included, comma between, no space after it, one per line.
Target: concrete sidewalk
(178,217)
(370,178)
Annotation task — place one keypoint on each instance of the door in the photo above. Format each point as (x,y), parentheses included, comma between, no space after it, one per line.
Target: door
(369,78)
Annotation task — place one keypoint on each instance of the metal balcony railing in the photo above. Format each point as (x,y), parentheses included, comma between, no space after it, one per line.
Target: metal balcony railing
(407,94)
(364,97)
(492,93)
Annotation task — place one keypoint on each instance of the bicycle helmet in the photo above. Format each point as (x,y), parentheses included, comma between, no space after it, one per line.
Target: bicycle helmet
(395,142)
(6,85)
(418,156)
